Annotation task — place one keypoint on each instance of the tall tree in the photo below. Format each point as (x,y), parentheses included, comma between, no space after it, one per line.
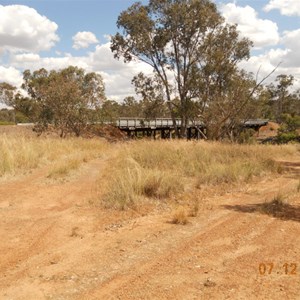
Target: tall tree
(152,104)
(7,93)
(131,108)
(64,98)
(282,96)
(109,111)
(187,44)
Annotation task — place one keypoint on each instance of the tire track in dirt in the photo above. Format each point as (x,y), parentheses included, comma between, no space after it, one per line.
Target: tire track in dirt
(139,274)
(239,237)
(34,214)
(68,249)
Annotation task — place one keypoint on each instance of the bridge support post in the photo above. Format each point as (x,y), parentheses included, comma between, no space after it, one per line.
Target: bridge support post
(149,133)
(189,133)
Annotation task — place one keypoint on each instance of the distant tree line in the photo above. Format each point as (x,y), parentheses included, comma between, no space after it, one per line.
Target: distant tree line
(194,55)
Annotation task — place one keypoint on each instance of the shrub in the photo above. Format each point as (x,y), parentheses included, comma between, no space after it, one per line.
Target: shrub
(287,137)
(287,132)
(247,136)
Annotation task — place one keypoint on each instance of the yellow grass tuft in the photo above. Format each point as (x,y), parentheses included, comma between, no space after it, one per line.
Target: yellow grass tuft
(180,216)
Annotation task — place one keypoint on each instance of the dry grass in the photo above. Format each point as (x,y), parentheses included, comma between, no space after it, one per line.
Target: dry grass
(129,183)
(195,206)
(64,168)
(21,154)
(145,171)
(180,216)
(160,169)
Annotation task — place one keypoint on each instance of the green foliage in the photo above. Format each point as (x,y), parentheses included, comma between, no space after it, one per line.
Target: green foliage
(62,98)
(7,93)
(281,100)
(193,55)
(290,123)
(286,137)
(7,116)
(247,136)
(6,123)
(131,108)
(287,132)
(22,118)
(109,111)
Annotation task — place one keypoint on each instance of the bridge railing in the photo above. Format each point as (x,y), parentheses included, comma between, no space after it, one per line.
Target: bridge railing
(141,122)
(152,123)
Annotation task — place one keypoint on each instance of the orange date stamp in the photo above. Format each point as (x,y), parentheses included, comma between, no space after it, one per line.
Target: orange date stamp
(267,268)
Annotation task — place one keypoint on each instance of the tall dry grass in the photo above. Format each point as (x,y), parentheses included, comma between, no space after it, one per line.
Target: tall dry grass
(160,169)
(20,153)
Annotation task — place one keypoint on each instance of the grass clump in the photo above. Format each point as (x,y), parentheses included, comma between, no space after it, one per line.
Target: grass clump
(276,206)
(64,168)
(180,216)
(129,184)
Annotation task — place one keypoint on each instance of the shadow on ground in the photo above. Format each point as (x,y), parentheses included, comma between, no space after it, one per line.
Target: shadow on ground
(276,209)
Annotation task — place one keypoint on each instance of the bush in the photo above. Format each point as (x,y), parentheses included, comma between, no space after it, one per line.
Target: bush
(287,137)
(287,132)
(246,136)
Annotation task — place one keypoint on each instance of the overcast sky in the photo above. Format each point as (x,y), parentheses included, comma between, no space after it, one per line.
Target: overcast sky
(56,33)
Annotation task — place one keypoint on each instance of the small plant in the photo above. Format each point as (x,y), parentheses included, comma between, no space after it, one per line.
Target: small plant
(275,207)
(180,216)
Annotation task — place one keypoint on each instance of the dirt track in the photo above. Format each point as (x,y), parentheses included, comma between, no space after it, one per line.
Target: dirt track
(55,244)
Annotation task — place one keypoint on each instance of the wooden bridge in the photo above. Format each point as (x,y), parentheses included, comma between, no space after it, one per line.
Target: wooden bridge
(164,126)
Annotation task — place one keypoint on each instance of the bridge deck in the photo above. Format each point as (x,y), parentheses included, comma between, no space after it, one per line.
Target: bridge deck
(155,123)
(141,123)
(165,126)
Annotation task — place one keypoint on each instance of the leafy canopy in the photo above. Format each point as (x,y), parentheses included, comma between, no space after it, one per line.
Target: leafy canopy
(193,53)
(64,98)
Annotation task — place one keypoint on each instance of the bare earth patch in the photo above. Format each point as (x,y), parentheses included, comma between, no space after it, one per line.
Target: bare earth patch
(55,243)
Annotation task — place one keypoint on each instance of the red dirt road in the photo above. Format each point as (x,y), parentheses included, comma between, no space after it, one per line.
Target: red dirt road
(56,244)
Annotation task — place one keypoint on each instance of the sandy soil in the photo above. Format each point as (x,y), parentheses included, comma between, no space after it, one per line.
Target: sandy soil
(56,244)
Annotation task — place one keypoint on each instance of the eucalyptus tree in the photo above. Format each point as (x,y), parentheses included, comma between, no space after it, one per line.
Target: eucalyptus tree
(7,93)
(283,98)
(65,98)
(193,53)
